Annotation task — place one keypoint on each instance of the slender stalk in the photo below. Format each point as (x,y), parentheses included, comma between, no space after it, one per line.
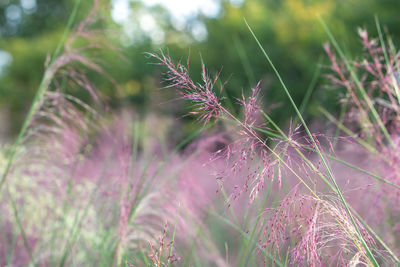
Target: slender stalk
(365,144)
(247,252)
(388,63)
(341,119)
(78,220)
(358,84)
(44,84)
(244,59)
(173,235)
(233,225)
(310,88)
(285,137)
(300,179)
(369,253)
(282,137)
(20,226)
(302,108)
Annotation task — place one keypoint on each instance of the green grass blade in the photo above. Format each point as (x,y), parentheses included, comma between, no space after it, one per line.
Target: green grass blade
(173,235)
(311,87)
(368,251)
(244,59)
(388,64)
(47,77)
(358,83)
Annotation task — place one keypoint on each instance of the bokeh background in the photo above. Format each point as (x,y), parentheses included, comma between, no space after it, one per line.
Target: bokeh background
(209,30)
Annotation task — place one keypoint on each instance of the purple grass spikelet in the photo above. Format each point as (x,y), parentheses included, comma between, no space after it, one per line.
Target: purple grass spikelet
(203,96)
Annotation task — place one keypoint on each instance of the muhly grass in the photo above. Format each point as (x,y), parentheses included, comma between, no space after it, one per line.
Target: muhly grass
(82,187)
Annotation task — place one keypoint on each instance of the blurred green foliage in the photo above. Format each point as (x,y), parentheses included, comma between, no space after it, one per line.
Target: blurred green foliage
(288,29)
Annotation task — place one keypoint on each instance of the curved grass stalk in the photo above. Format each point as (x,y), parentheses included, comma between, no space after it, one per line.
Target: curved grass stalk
(302,108)
(245,258)
(301,179)
(44,85)
(377,237)
(354,167)
(371,257)
(375,176)
(271,150)
(297,175)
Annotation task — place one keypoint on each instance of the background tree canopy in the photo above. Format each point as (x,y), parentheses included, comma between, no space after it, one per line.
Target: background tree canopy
(289,30)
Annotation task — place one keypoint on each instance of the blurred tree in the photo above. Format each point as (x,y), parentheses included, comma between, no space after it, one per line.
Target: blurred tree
(30,32)
(288,29)
(292,35)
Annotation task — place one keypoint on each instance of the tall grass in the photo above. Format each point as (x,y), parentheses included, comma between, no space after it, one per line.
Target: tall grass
(251,144)
(80,188)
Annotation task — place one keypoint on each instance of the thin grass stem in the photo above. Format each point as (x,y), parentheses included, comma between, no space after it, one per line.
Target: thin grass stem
(369,253)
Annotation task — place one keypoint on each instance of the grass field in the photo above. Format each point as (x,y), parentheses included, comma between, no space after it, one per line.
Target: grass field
(83,186)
